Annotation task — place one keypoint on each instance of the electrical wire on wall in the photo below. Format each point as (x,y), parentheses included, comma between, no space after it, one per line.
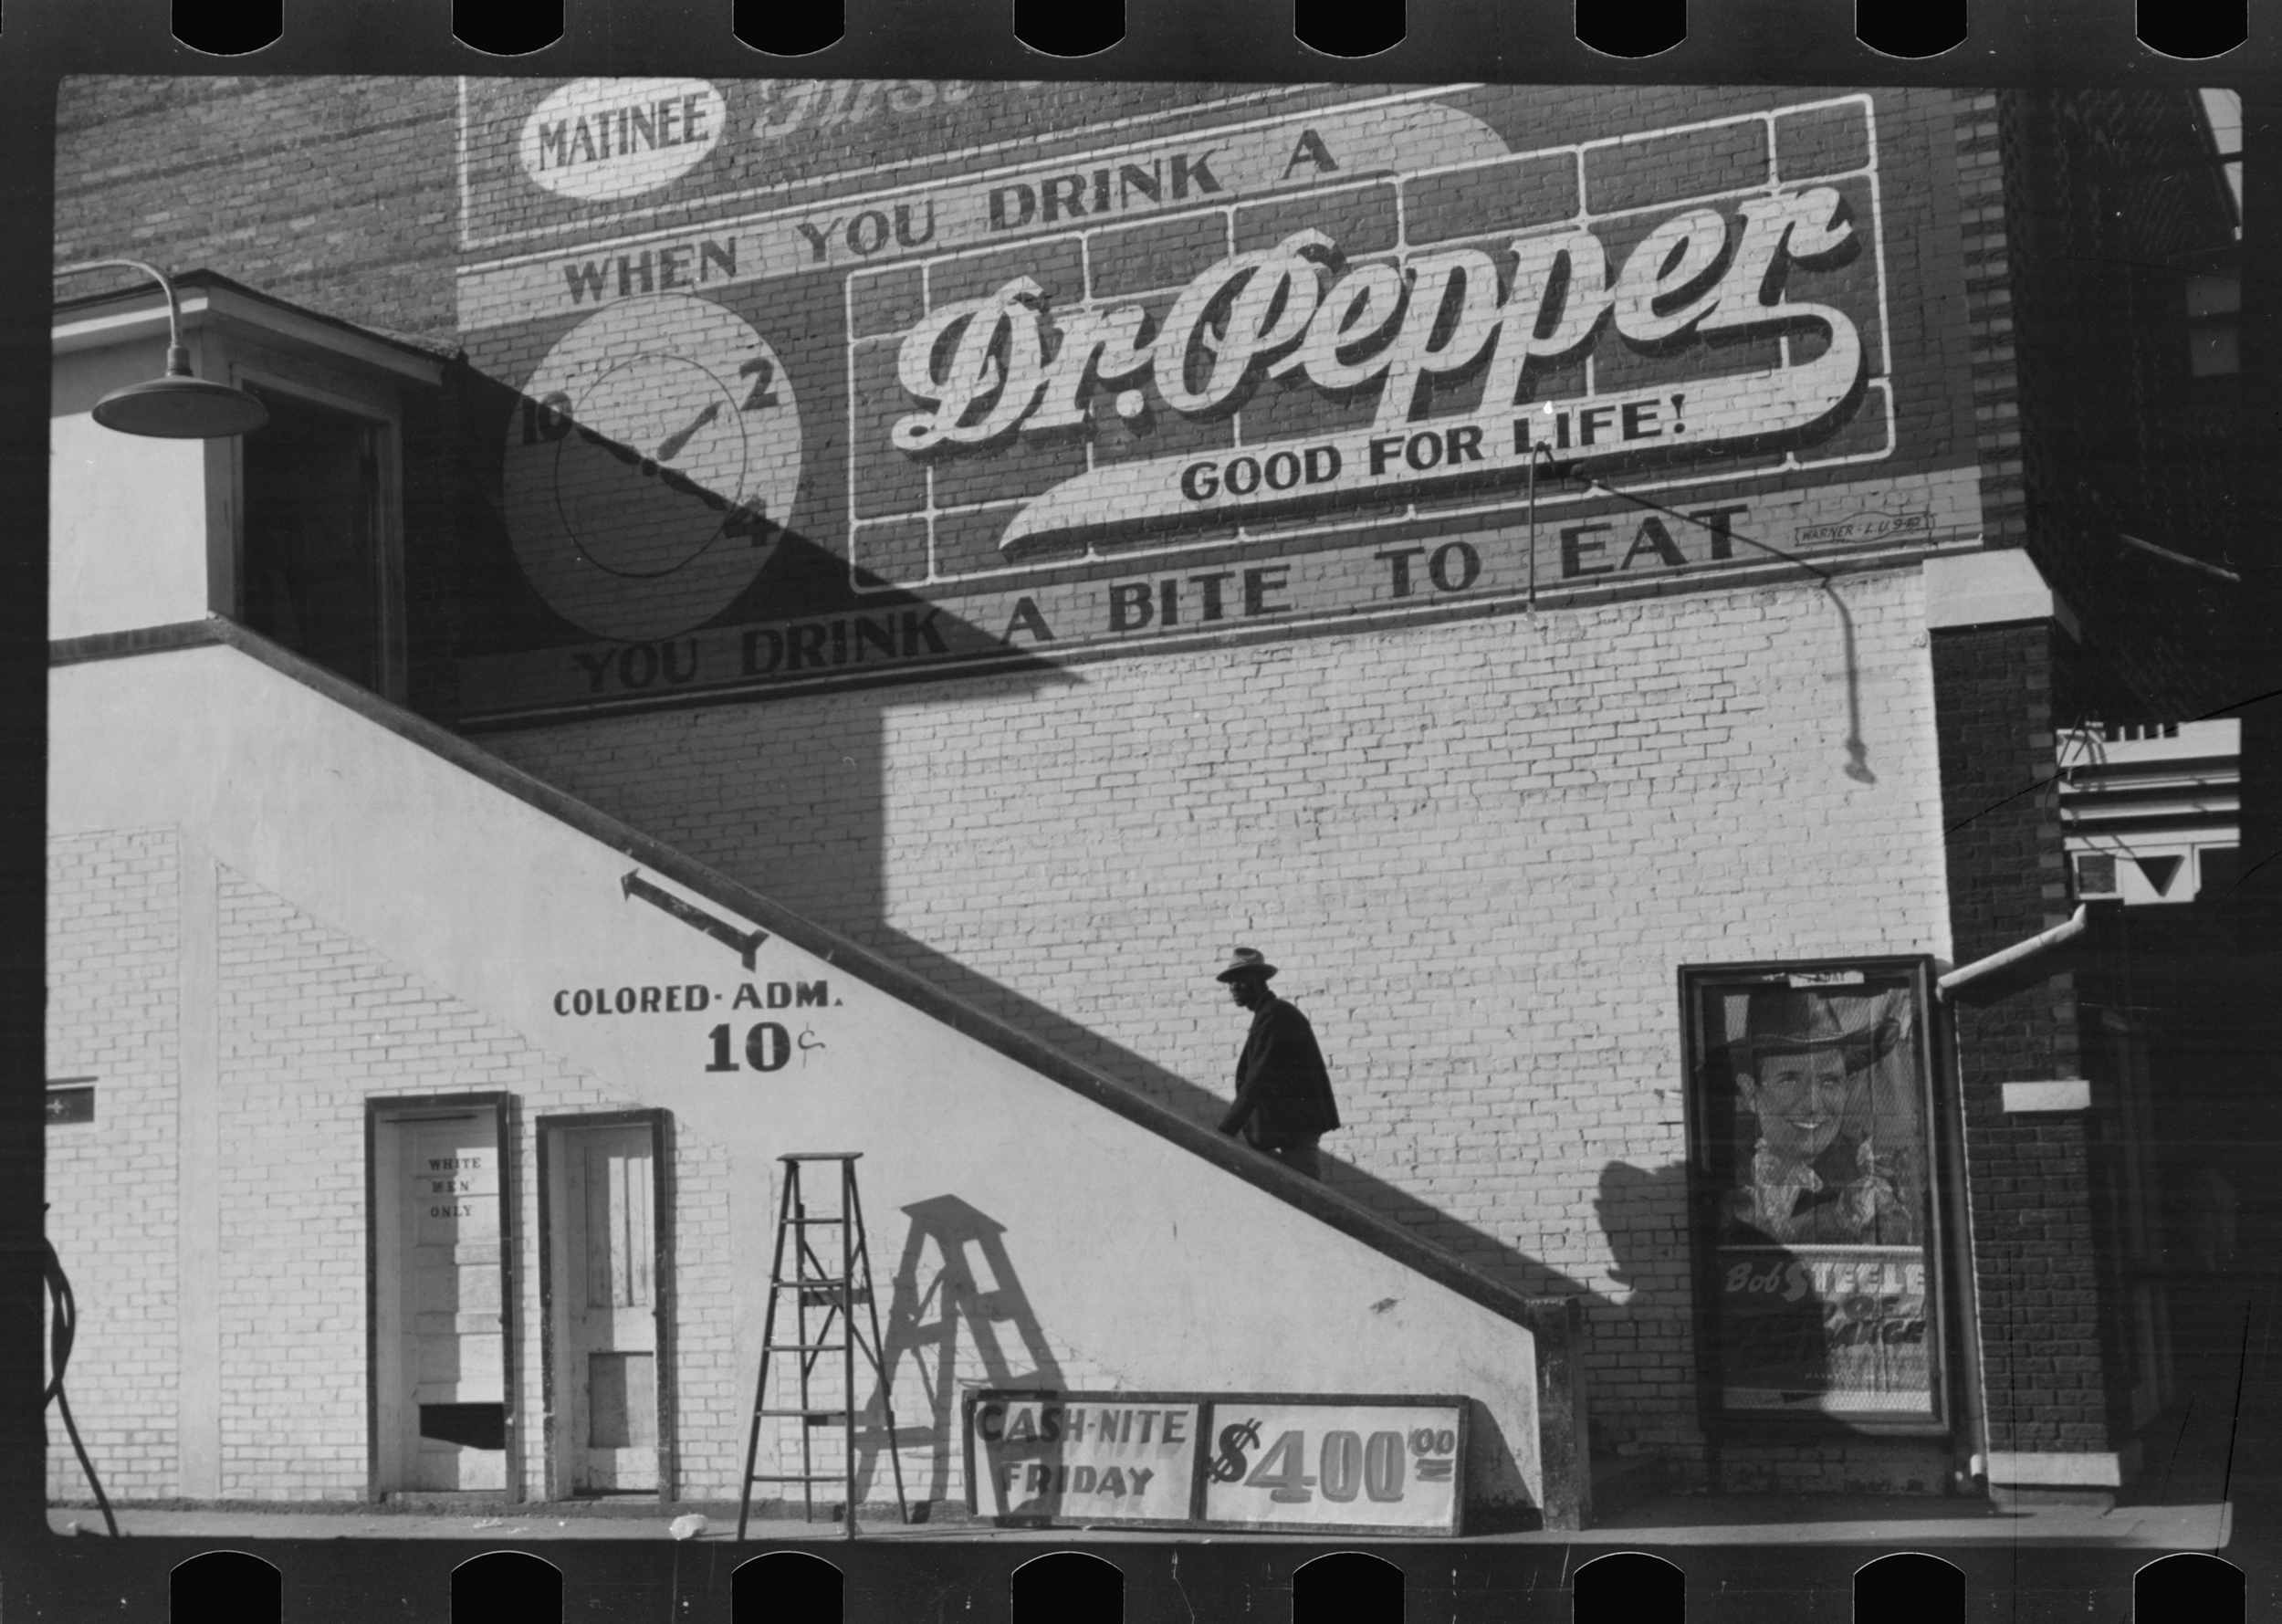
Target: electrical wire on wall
(63,1326)
(1857,767)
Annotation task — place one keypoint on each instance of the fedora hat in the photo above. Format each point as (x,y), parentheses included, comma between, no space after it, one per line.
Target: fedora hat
(1248,961)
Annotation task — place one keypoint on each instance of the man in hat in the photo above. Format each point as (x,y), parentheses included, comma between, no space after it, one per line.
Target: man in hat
(1283,1104)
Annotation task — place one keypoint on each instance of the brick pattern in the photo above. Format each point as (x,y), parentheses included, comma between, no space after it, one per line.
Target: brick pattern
(1480,850)
(311,1022)
(113,899)
(2111,199)
(1983,213)
(2030,1180)
(295,992)
(340,189)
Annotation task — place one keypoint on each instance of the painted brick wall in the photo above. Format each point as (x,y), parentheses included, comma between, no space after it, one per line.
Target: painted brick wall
(1480,850)
(295,990)
(310,1023)
(113,902)
(2030,1180)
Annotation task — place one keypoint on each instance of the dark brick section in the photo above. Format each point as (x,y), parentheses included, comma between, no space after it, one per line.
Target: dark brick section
(2037,1277)
(341,191)
(2112,201)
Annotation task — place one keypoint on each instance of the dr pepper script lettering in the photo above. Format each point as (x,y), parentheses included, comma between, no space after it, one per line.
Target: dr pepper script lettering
(1007,364)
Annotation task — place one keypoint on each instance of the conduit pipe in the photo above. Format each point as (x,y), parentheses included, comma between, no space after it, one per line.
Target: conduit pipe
(1965,974)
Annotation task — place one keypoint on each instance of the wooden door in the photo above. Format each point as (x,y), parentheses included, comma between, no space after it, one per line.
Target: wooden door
(608,1358)
(450,1278)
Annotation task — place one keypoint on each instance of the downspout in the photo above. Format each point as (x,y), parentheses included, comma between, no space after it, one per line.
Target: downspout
(1966,974)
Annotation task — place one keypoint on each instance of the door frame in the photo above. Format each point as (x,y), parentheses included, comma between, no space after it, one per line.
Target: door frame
(659,1121)
(377,405)
(387,1110)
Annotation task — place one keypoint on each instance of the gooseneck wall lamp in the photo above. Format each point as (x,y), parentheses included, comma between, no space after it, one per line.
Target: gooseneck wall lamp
(181,405)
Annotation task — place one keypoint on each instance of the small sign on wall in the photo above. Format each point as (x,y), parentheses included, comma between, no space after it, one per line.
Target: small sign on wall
(70,1101)
(1352,1463)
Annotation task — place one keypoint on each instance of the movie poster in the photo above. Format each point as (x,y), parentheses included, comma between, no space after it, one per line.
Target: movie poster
(1813,1173)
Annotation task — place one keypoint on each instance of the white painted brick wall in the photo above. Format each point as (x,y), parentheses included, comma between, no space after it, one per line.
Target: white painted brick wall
(113,909)
(310,1023)
(1481,849)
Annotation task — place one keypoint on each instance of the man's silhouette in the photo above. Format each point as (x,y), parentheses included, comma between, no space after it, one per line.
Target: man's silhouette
(1283,1104)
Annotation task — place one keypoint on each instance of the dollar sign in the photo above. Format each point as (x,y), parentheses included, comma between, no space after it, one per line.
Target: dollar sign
(1235,1438)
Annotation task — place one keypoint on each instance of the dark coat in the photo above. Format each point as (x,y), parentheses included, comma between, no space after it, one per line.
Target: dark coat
(1283,1091)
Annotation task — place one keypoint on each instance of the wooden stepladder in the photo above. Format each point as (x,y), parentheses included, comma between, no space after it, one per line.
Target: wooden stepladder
(814,1284)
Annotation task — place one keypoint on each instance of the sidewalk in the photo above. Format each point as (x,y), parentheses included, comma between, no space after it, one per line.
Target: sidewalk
(1898,1523)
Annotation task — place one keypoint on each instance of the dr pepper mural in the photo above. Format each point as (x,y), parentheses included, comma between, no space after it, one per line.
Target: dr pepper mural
(802,382)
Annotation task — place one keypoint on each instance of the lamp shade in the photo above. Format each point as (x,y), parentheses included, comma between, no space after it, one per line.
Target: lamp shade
(180,408)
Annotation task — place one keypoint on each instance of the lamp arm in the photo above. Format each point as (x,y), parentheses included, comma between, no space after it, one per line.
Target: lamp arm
(177,353)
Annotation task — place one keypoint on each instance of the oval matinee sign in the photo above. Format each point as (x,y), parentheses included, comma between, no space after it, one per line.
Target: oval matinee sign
(599,139)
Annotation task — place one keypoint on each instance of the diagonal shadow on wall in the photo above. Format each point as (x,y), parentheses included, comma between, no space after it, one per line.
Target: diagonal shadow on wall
(1507,1263)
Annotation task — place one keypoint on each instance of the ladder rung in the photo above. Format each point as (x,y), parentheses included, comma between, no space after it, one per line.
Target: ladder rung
(795,1477)
(804,1347)
(807,1222)
(810,1412)
(821,1285)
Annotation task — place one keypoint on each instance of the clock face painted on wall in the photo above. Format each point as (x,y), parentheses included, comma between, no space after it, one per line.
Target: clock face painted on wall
(650,466)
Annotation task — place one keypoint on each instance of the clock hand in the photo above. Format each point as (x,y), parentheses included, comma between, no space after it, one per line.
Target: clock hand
(671,446)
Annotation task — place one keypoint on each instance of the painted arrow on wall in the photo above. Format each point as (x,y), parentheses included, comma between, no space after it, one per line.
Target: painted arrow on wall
(746,942)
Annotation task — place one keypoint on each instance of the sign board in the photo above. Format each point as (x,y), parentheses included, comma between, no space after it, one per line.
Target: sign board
(1205,363)
(1817,1174)
(1348,1463)
(1385,1465)
(70,1102)
(1108,1458)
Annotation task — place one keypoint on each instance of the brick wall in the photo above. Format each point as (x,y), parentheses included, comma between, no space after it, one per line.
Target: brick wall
(2111,199)
(111,1002)
(294,990)
(1480,850)
(339,196)
(2030,1180)
(311,1022)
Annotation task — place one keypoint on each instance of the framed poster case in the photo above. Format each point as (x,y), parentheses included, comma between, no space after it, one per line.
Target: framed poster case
(1818,1172)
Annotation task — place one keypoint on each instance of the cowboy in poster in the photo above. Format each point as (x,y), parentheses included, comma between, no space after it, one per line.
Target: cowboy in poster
(1827,1164)
(1820,1203)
